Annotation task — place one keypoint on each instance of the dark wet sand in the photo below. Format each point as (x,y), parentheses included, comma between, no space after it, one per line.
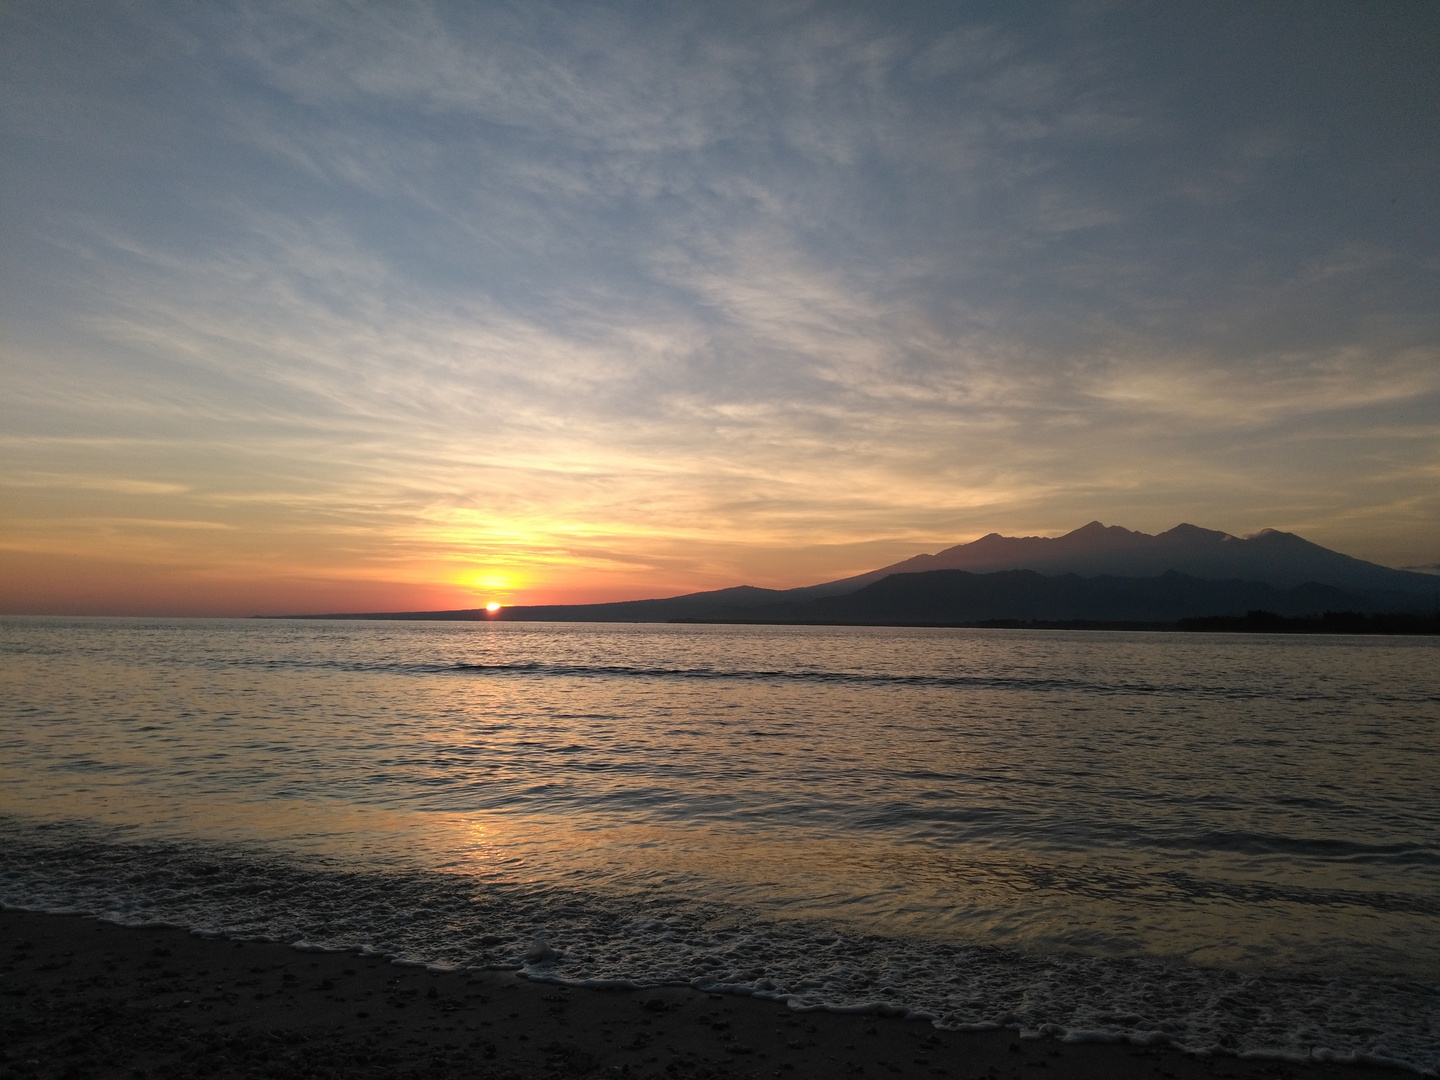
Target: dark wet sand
(81,998)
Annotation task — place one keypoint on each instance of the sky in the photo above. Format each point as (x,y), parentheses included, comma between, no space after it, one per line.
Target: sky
(314,306)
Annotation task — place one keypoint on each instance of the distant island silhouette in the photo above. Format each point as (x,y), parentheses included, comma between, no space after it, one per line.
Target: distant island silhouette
(1097,576)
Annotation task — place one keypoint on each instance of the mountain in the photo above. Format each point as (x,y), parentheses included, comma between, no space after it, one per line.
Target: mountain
(1276,558)
(955,597)
(958,596)
(1096,573)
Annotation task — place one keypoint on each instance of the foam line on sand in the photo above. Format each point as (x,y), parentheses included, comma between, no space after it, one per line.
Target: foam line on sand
(83,998)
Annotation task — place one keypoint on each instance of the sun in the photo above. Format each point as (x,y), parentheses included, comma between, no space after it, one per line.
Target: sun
(492,607)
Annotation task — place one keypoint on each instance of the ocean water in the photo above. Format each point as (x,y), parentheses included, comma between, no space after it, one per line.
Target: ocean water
(1229,844)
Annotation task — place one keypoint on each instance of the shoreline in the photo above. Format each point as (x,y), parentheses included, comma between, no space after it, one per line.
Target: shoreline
(1331,624)
(81,997)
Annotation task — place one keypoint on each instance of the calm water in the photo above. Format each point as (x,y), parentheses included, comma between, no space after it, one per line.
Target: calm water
(1222,842)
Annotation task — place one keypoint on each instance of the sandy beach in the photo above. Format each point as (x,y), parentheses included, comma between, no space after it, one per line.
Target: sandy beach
(83,998)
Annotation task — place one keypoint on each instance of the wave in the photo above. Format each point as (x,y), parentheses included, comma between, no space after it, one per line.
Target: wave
(569,935)
(537,668)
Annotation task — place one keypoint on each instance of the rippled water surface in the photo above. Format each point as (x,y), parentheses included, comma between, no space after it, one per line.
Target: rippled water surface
(1218,841)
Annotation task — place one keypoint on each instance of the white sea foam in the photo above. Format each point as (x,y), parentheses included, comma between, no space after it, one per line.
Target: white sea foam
(594,941)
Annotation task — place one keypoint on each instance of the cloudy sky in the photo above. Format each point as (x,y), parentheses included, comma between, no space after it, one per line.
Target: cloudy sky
(313,305)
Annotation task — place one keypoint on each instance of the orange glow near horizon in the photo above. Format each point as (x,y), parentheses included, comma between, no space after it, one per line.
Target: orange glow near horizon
(192,552)
(243,572)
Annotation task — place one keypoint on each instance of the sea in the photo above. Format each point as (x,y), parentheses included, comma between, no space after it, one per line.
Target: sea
(1225,843)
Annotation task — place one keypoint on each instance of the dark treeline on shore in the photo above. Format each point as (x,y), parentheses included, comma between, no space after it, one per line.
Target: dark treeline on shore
(1332,622)
(1252,622)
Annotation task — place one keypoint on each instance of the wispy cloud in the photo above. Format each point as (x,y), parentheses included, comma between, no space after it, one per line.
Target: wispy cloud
(424,286)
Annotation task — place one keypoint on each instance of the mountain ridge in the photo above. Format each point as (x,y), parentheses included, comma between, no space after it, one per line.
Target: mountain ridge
(1096,572)
(1275,557)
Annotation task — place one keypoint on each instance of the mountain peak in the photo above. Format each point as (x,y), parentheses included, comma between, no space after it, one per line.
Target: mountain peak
(1279,536)
(1193,534)
(1278,558)
(1099,528)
